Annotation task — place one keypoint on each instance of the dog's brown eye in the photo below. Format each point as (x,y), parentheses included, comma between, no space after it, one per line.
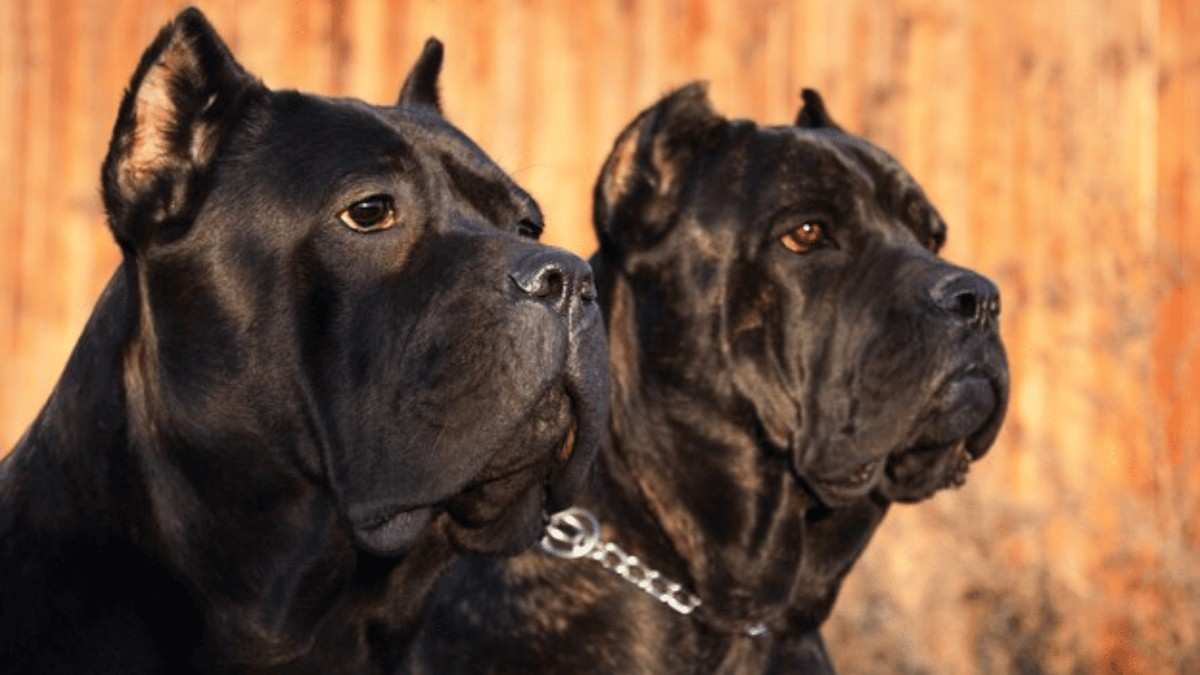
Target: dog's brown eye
(370,214)
(805,238)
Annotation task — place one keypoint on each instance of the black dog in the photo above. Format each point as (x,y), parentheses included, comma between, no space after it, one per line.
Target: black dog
(789,356)
(333,356)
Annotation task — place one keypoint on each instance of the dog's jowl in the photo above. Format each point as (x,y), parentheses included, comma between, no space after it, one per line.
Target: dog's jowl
(333,357)
(789,356)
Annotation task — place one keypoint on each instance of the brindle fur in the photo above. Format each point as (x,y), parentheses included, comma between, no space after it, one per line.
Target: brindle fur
(749,383)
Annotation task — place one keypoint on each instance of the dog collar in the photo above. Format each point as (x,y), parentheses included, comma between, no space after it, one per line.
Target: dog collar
(574,534)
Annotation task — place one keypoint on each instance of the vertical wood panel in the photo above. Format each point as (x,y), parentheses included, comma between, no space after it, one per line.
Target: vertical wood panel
(1061,141)
(38,340)
(1176,342)
(12,74)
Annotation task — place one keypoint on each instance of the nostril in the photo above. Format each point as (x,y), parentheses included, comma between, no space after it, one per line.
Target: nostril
(966,304)
(552,284)
(587,290)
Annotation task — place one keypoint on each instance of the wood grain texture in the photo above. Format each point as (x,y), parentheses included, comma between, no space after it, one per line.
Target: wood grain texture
(1060,140)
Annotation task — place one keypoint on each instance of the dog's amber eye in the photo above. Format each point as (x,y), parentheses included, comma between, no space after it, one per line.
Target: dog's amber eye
(805,238)
(370,215)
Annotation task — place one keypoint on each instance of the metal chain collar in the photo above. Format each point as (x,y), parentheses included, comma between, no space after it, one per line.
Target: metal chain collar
(575,533)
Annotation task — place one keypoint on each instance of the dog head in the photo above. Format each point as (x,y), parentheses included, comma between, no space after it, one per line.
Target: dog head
(790,275)
(350,292)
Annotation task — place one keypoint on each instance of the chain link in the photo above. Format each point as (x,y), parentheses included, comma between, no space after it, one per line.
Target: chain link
(575,533)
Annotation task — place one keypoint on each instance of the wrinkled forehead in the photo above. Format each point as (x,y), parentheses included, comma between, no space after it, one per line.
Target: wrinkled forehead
(833,172)
(322,143)
(890,182)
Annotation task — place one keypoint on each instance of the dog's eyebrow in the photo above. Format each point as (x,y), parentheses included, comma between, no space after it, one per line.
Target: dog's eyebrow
(849,162)
(384,166)
(387,155)
(898,191)
(490,196)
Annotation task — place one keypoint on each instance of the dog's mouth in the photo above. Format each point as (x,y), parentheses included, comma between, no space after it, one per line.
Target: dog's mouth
(963,431)
(855,482)
(504,512)
(960,428)
(917,473)
(500,512)
(500,508)
(392,530)
(505,482)
(567,448)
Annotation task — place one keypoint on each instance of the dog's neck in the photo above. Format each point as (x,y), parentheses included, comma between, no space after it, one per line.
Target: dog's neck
(722,512)
(93,505)
(84,419)
(73,505)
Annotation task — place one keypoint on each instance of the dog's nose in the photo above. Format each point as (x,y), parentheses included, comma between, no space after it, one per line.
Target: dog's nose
(968,297)
(554,277)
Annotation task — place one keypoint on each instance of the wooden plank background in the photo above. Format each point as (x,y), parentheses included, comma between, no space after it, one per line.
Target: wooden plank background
(1061,141)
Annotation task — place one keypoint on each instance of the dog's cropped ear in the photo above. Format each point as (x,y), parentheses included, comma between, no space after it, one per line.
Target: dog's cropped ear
(180,102)
(636,197)
(421,86)
(813,114)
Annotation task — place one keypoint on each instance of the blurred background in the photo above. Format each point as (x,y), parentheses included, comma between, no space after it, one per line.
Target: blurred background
(1061,141)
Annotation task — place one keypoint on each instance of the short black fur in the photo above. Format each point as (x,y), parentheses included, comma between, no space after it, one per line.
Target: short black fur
(277,429)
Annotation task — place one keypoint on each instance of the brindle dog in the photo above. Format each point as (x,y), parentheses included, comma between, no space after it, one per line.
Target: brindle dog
(789,357)
(333,357)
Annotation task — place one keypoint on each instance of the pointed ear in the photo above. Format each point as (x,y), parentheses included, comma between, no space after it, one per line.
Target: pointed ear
(812,114)
(421,86)
(179,104)
(636,198)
